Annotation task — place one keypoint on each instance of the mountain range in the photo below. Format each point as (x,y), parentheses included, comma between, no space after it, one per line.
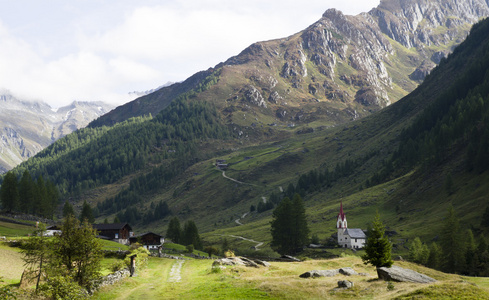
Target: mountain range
(318,113)
(27,127)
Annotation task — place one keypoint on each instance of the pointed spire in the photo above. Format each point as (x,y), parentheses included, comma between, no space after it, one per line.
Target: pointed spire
(341,214)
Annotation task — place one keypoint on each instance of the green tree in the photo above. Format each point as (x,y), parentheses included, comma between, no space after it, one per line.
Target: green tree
(452,243)
(68,209)
(77,253)
(471,255)
(27,192)
(36,252)
(419,252)
(378,247)
(116,220)
(87,213)
(289,226)
(174,231)
(191,235)
(225,246)
(9,193)
(435,257)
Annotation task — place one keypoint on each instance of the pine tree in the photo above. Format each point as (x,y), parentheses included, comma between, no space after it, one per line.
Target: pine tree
(9,193)
(471,257)
(68,209)
(27,192)
(281,228)
(289,228)
(451,243)
(378,247)
(435,256)
(87,213)
(191,235)
(174,231)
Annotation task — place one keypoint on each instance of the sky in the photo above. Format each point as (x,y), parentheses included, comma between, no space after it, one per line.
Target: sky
(58,51)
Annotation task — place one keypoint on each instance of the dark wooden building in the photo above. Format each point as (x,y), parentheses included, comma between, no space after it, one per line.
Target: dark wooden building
(119,232)
(149,240)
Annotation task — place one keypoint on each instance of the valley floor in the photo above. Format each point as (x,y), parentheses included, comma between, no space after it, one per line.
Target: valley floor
(197,280)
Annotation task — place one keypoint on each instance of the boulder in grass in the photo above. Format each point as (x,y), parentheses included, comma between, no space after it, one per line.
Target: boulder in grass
(345,284)
(347,271)
(320,273)
(399,274)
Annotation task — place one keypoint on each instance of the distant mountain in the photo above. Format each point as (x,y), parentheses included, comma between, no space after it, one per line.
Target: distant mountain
(274,137)
(144,93)
(338,69)
(28,127)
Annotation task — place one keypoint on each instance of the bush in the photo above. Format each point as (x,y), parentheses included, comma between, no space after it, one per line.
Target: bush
(190,248)
(61,287)
(6,292)
(117,266)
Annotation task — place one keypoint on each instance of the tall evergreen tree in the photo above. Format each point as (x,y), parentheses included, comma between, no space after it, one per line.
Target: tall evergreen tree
(9,193)
(86,213)
(378,247)
(27,192)
(451,243)
(289,226)
(191,235)
(68,209)
(174,231)
(435,257)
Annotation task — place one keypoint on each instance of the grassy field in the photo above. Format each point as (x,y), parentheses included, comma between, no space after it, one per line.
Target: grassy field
(12,230)
(282,281)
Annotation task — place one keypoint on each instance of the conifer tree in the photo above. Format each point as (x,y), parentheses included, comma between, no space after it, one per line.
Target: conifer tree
(87,213)
(68,209)
(435,257)
(289,226)
(191,236)
(27,192)
(378,247)
(451,243)
(174,231)
(9,193)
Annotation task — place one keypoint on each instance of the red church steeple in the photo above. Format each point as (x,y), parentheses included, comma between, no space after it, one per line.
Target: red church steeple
(341,222)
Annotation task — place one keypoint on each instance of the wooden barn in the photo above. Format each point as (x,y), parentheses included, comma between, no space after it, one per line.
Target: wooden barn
(119,232)
(149,240)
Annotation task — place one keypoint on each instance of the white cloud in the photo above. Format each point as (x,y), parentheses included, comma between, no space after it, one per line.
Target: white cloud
(91,50)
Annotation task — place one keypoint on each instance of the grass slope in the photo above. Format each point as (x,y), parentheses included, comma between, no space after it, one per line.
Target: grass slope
(281,281)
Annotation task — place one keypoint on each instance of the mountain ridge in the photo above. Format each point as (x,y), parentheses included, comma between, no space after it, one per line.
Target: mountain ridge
(27,127)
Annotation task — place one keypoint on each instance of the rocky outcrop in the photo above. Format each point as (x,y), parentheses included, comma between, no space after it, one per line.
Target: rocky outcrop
(253,95)
(329,273)
(399,274)
(239,261)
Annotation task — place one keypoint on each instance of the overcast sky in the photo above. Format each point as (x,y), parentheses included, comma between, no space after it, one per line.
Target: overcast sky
(64,50)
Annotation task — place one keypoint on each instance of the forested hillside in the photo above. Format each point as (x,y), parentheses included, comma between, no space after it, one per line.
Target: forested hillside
(409,161)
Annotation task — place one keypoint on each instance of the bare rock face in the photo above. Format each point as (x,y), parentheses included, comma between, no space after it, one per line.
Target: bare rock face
(399,274)
(253,95)
(28,127)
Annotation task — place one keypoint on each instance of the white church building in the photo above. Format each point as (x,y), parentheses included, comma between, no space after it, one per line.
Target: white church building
(353,238)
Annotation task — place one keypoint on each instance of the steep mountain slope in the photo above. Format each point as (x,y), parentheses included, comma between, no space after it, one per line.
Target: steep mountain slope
(338,69)
(28,127)
(144,168)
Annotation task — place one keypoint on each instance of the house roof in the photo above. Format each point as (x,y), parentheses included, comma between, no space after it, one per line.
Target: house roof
(146,233)
(115,226)
(355,233)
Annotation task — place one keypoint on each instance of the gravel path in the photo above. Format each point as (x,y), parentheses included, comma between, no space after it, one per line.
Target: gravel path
(175,272)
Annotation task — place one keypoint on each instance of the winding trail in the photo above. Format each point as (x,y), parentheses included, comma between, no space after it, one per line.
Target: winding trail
(258,244)
(175,273)
(235,180)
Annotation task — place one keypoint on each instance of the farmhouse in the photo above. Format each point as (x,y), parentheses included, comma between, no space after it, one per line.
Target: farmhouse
(119,232)
(52,230)
(353,238)
(148,240)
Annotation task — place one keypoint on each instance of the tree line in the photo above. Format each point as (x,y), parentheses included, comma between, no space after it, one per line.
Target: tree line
(37,197)
(457,250)
(189,235)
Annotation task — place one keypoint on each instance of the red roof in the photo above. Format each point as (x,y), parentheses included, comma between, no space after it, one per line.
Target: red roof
(341,214)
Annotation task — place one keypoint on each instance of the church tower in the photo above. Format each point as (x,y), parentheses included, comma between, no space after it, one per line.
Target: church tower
(341,225)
